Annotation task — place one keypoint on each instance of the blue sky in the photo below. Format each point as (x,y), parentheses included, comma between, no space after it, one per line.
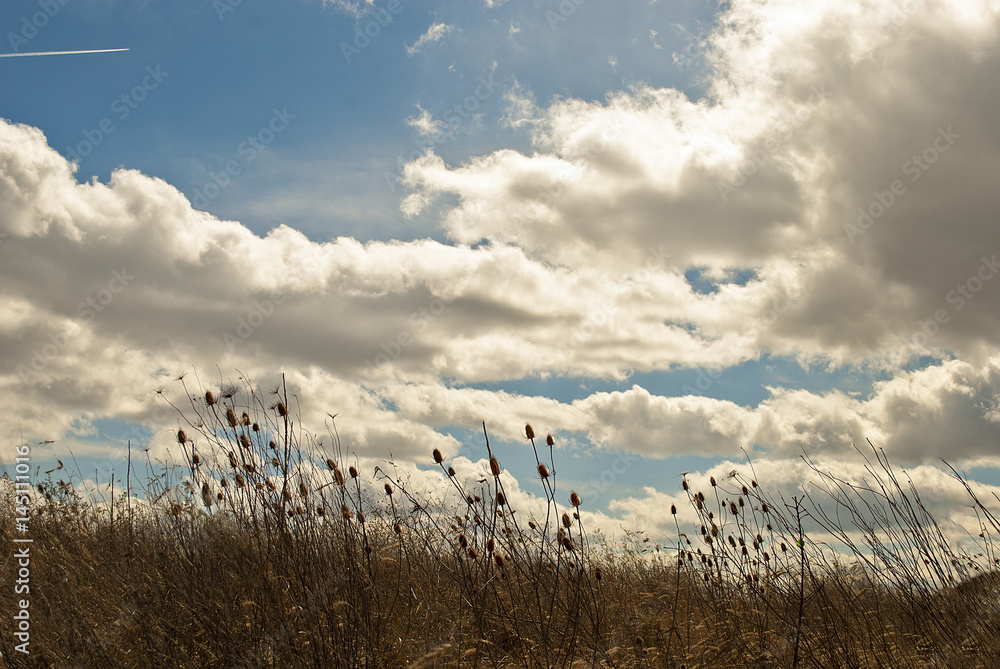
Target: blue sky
(667,232)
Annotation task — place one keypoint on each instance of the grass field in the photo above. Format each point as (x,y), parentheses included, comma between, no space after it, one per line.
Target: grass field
(262,551)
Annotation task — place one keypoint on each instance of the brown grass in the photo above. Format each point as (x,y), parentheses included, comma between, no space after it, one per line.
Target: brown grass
(296,564)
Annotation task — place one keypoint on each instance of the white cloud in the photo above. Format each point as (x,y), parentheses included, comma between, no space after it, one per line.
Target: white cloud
(425,124)
(434,34)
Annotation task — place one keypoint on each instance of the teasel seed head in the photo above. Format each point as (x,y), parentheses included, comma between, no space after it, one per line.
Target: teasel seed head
(711,479)
(501,499)
(673,510)
(451,472)
(286,494)
(352,470)
(499,560)
(529,432)
(397,529)
(568,544)
(250,467)
(282,409)
(684,484)
(181,437)
(209,398)
(245,418)
(330,464)
(196,459)
(255,427)
(233,462)
(245,441)
(543,471)
(574,499)
(231,417)
(438,458)
(463,541)
(490,545)
(388,490)
(495,468)
(303,490)
(223,482)
(239,481)
(473,553)
(567,521)
(733,509)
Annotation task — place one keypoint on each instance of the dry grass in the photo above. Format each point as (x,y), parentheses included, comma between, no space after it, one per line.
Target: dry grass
(296,562)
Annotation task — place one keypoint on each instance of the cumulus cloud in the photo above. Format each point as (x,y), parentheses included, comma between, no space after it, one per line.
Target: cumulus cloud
(813,115)
(834,189)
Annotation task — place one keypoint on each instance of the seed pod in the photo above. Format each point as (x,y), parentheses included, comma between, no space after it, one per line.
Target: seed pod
(231,417)
(233,462)
(209,398)
(566,521)
(250,467)
(303,490)
(255,427)
(282,409)
(490,545)
(338,476)
(397,529)
(245,441)
(501,499)
(499,560)
(239,481)
(543,471)
(549,441)
(286,494)
(673,510)
(388,490)
(575,500)
(473,553)
(711,479)
(451,471)
(224,483)
(196,459)
(245,418)
(732,508)
(463,541)
(568,544)
(353,472)
(684,484)
(495,467)
(438,458)
(181,437)
(330,464)
(529,432)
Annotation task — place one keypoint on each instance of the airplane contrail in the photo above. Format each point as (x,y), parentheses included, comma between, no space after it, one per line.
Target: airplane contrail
(56,53)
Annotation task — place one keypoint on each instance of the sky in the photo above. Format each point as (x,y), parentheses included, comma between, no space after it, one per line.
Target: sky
(678,236)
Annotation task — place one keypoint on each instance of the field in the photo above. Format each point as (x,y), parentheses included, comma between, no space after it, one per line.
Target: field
(262,552)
